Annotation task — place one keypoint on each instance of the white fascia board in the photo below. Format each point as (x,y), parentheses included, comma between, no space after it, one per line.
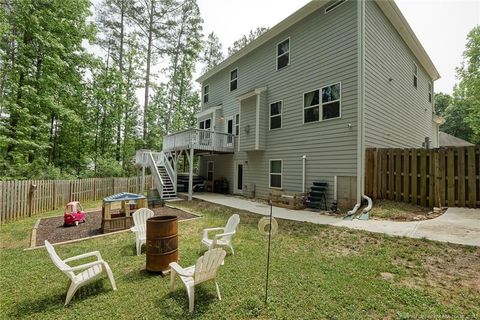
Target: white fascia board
(208,111)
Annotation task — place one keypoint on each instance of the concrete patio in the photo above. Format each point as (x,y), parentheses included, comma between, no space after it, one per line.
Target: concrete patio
(456,225)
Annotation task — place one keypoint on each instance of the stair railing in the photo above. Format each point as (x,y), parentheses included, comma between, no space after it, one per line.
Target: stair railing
(157,177)
(170,171)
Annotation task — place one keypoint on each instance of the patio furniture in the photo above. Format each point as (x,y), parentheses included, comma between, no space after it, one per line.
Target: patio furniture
(205,269)
(89,271)
(140,227)
(223,239)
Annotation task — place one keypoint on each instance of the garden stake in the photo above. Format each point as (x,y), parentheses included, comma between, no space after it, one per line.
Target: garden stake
(268,252)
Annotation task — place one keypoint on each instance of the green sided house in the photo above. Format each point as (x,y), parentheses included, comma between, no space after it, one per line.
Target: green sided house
(302,102)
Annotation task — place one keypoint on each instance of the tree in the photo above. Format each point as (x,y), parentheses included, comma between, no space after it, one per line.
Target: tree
(42,61)
(183,50)
(442,101)
(246,39)
(152,19)
(455,120)
(468,90)
(212,53)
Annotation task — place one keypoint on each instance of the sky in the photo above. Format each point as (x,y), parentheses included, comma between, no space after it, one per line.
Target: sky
(441,26)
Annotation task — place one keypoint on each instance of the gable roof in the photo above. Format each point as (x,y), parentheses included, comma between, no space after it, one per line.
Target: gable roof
(388,7)
(447,140)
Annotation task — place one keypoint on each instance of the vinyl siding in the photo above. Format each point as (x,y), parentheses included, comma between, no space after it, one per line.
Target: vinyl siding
(248,124)
(396,113)
(323,51)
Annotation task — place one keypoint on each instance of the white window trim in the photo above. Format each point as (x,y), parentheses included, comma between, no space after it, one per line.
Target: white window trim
(230,82)
(208,93)
(233,124)
(270,173)
(320,105)
(278,56)
(236,125)
(277,115)
(212,171)
(205,122)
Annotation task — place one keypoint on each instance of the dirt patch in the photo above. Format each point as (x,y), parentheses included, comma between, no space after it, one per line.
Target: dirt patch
(52,229)
(400,211)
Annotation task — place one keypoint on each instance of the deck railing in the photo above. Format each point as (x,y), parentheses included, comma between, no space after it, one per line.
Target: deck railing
(200,140)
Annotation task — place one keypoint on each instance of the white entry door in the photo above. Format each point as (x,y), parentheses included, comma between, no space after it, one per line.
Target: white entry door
(238,178)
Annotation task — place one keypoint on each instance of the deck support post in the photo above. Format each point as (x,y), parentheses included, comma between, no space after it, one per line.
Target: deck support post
(190,176)
(142,187)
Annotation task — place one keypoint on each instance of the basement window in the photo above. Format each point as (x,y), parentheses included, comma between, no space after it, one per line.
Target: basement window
(210,170)
(334,6)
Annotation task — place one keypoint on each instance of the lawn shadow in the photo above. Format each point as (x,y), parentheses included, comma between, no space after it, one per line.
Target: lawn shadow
(29,307)
(140,275)
(174,305)
(129,250)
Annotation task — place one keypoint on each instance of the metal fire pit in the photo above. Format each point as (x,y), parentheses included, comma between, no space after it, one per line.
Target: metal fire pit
(162,242)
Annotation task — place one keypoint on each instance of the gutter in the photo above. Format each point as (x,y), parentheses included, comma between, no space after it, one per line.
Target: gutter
(361,118)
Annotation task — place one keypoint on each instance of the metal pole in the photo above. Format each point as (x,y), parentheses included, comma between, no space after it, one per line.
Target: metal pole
(268,252)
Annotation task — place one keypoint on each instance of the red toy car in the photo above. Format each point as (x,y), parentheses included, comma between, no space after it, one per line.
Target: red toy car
(73,214)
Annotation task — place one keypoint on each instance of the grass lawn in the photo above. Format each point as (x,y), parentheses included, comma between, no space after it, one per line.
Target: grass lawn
(317,272)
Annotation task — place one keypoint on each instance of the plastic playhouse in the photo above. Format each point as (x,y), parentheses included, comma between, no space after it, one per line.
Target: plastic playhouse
(73,214)
(121,220)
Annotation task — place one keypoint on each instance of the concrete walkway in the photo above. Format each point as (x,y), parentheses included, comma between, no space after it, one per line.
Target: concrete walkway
(456,225)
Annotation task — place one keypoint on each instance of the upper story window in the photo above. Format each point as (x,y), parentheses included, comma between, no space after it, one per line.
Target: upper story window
(237,124)
(205,124)
(283,54)
(276,115)
(206,89)
(415,75)
(430,92)
(233,80)
(322,104)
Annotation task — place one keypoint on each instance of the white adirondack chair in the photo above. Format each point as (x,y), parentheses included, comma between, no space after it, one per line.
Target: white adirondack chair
(140,227)
(205,269)
(89,271)
(223,239)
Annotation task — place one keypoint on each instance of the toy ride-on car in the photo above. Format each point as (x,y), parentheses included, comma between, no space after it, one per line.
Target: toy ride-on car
(73,214)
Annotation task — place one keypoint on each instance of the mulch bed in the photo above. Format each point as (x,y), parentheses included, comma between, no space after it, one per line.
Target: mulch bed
(52,229)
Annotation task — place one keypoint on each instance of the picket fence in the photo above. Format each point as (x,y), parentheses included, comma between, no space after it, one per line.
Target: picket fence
(25,198)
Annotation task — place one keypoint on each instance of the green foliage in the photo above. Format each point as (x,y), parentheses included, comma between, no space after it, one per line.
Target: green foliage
(468,89)
(65,112)
(442,101)
(246,39)
(462,118)
(212,53)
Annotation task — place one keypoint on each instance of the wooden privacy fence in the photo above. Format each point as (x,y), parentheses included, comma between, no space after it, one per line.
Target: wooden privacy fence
(20,198)
(431,178)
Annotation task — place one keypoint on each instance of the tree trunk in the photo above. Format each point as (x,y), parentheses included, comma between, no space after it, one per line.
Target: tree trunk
(147,75)
(120,63)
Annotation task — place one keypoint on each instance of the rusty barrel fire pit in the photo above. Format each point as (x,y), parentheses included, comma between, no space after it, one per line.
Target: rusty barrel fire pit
(162,242)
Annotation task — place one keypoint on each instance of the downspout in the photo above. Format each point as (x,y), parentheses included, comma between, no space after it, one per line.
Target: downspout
(304,157)
(361,113)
